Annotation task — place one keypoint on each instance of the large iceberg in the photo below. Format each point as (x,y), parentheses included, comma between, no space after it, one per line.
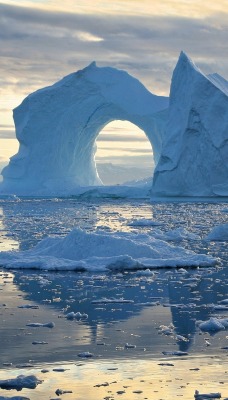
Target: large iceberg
(57,129)
(194,156)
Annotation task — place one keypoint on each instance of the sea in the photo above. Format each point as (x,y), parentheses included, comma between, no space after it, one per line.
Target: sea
(129,334)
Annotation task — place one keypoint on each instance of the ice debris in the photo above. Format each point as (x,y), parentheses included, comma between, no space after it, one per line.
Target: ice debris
(22,381)
(38,325)
(213,325)
(204,396)
(218,233)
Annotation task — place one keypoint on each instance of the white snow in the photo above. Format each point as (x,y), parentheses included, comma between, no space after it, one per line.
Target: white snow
(81,250)
(218,233)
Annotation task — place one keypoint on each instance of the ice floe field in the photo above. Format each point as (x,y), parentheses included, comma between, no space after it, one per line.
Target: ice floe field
(109,299)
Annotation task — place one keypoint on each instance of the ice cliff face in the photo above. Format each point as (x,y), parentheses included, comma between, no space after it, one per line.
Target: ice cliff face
(57,128)
(194,156)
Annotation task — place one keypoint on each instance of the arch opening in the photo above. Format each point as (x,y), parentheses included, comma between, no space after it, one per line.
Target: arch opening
(123,153)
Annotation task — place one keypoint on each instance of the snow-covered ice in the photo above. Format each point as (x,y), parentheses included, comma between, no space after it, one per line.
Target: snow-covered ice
(81,250)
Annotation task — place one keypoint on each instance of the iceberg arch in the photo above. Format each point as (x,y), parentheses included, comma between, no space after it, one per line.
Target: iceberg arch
(57,128)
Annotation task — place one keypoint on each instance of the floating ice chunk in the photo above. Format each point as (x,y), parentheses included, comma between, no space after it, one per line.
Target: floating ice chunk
(85,354)
(166,330)
(38,325)
(14,398)
(39,342)
(22,381)
(77,315)
(212,325)
(219,233)
(204,396)
(220,307)
(224,301)
(129,346)
(81,250)
(175,353)
(29,306)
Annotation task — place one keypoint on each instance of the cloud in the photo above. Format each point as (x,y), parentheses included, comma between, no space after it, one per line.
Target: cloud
(40,46)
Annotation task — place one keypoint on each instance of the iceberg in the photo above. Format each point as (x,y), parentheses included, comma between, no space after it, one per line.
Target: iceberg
(99,251)
(194,156)
(57,128)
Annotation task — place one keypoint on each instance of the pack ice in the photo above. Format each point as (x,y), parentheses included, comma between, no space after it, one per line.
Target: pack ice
(57,127)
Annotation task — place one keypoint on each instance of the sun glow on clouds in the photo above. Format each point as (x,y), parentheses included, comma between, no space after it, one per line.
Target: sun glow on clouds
(193,8)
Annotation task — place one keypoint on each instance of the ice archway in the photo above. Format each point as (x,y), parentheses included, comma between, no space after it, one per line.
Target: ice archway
(57,128)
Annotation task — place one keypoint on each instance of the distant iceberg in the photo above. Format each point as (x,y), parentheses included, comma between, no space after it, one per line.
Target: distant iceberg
(57,127)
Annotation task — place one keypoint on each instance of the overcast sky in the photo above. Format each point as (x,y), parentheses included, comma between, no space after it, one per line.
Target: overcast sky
(44,40)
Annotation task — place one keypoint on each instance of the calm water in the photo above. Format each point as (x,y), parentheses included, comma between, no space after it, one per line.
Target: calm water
(124,337)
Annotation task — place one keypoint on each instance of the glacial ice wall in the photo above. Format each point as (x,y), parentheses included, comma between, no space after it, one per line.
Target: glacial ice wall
(57,128)
(194,156)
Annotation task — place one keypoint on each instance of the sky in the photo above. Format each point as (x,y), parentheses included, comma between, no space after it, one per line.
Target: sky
(43,40)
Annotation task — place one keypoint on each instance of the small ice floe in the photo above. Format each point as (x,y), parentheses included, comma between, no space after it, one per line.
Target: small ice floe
(213,325)
(129,346)
(181,338)
(39,325)
(85,354)
(14,398)
(166,365)
(175,353)
(218,233)
(220,307)
(166,330)
(34,307)
(39,342)
(71,315)
(204,396)
(60,391)
(104,300)
(224,301)
(59,369)
(22,381)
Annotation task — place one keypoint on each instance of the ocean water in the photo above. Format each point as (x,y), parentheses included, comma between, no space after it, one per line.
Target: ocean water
(123,315)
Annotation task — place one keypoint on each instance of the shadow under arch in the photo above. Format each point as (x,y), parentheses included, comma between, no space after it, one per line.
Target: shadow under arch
(57,128)
(123,153)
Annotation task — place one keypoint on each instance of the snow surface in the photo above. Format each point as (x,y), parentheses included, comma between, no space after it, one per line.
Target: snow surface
(81,250)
